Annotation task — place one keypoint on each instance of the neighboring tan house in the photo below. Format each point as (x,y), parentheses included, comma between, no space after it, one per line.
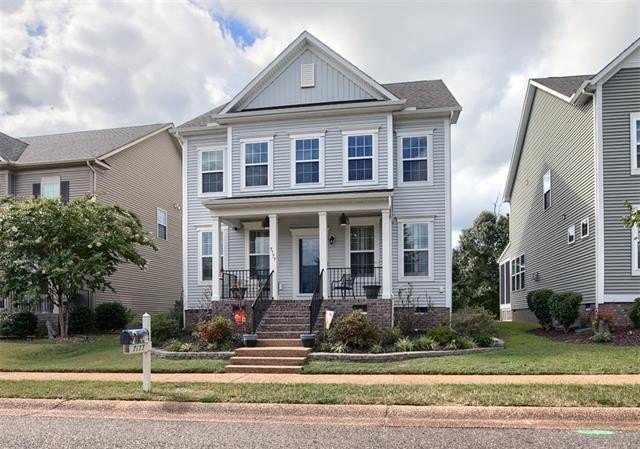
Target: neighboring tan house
(301,188)
(575,162)
(136,167)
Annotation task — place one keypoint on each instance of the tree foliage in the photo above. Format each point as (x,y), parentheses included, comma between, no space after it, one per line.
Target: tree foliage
(633,219)
(476,277)
(56,249)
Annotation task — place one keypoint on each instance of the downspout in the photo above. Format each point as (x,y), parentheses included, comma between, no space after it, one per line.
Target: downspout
(94,178)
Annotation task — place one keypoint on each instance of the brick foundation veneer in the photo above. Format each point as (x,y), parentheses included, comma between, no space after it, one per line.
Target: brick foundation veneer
(619,311)
(434,317)
(224,308)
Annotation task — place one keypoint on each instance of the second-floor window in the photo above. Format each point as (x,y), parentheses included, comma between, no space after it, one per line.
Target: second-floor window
(256,164)
(50,187)
(161,224)
(584,228)
(212,171)
(635,143)
(307,156)
(546,190)
(360,157)
(415,159)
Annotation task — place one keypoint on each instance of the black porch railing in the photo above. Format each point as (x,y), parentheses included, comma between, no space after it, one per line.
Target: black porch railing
(355,282)
(42,304)
(261,303)
(316,303)
(242,284)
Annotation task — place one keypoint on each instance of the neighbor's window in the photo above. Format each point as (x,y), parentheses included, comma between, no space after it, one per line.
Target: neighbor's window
(415,159)
(571,234)
(546,190)
(362,250)
(259,253)
(256,164)
(416,249)
(518,274)
(635,143)
(50,187)
(162,224)
(584,228)
(360,162)
(307,161)
(212,171)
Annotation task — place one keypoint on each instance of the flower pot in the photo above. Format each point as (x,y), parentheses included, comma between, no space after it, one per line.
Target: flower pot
(250,340)
(238,292)
(371,291)
(308,340)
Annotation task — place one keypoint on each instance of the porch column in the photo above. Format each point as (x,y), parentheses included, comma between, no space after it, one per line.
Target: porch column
(215,254)
(386,254)
(273,257)
(323,240)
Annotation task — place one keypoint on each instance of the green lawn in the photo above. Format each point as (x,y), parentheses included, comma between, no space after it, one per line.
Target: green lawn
(525,354)
(482,395)
(100,354)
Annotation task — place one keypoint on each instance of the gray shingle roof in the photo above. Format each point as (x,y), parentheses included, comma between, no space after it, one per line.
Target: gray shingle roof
(10,148)
(82,145)
(565,85)
(426,94)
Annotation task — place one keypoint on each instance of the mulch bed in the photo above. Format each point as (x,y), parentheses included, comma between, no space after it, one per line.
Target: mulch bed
(622,336)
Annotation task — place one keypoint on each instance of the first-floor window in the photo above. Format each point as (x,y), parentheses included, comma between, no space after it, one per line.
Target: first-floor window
(362,249)
(571,234)
(206,255)
(415,249)
(162,224)
(518,274)
(259,253)
(505,277)
(50,187)
(635,245)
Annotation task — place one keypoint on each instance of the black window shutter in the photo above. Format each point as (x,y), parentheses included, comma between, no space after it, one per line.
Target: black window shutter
(64,192)
(35,189)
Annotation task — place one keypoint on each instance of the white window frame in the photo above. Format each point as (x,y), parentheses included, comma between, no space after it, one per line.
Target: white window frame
(571,232)
(635,254)
(201,172)
(345,155)
(419,133)
(544,190)
(225,236)
(588,223)
(522,273)
(400,229)
(50,180)
(243,144)
(295,137)
(252,226)
(503,293)
(363,221)
(159,223)
(635,167)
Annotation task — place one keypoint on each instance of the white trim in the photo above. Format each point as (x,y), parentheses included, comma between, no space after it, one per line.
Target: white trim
(588,223)
(633,121)
(635,254)
(229,166)
(185,228)
(296,235)
(321,158)
(551,91)
(428,134)
(430,248)
(599,194)
(215,261)
(243,143)
(363,221)
(387,260)
(130,144)
(323,249)
(571,232)
(165,224)
(611,68)
(207,148)
(273,257)
(447,219)
(345,156)
(390,180)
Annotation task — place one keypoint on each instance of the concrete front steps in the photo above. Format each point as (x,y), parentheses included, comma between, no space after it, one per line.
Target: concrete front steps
(273,356)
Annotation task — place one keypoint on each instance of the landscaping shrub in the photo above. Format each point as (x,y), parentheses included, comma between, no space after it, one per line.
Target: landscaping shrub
(112,316)
(355,332)
(539,303)
(173,345)
(484,341)
(18,324)
(601,316)
(389,336)
(474,322)
(404,345)
(442,335)
(424,343)
(634,313)
(218,330)
(601,337)
(82,320)
(339,348)
(461,343)
(405,311)
(163,328)
(565,308)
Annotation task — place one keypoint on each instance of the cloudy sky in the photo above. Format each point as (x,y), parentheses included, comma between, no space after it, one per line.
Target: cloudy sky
(68,66)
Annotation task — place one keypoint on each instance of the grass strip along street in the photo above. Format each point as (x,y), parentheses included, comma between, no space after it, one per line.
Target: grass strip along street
(477,395)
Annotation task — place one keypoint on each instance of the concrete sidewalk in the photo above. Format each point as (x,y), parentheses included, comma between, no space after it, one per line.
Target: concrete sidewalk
(342,415)
(368,379)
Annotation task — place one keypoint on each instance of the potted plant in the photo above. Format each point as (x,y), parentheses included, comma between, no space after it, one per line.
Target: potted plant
(371,291)
(238,292)
(308,340)
(250,340)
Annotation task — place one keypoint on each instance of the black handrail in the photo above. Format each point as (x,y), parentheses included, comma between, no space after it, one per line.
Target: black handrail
(261,303)
(316,303)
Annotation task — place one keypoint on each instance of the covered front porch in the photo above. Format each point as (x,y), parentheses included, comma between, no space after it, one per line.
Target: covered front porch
(333,246)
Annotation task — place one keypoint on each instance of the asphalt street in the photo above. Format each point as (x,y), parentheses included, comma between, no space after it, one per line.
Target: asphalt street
(30,432)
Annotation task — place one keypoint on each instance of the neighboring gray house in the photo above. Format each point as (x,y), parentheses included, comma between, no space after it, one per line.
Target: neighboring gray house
(136,167)
(305,182)
(575,162)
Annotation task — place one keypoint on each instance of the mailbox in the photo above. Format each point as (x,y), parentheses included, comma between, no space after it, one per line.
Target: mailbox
(134,340)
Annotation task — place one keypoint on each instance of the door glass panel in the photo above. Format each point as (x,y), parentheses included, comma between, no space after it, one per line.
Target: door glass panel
(309,264)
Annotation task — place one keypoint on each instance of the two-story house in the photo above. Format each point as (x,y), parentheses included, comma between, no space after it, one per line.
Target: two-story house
(316,186)
(575,163)
(136,167)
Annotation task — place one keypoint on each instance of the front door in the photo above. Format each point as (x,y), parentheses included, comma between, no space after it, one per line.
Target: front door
(308,264)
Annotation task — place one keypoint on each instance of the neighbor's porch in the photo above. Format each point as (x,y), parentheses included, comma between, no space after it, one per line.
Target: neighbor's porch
(294,247)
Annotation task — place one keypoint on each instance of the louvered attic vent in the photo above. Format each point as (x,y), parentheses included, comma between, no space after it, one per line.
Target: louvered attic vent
(307,75)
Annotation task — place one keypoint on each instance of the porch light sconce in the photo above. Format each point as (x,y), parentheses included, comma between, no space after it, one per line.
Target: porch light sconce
(344,220)
(332,239)
(265,222)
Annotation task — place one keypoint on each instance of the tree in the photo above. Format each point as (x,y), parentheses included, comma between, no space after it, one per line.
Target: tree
(476,277)
(56,249)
